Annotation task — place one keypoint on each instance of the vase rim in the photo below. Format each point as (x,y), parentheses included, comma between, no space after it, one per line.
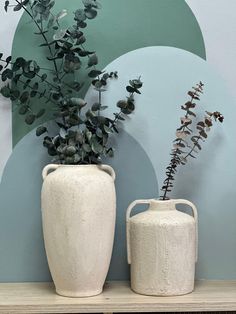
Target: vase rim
(161,205)
(88,165)
(161,200)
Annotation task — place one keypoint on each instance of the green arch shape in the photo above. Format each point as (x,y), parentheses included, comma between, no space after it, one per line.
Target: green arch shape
(120,27)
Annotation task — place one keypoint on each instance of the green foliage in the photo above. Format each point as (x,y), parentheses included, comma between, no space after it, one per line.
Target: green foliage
(187,142)
(83,129)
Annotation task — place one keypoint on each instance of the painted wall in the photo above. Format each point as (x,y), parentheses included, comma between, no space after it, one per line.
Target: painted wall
(173,44)
(7,31)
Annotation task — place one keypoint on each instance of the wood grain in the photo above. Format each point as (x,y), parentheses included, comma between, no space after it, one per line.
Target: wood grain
(117,297)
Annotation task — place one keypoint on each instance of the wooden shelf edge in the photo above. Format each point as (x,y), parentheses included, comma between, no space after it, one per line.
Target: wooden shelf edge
(23,298)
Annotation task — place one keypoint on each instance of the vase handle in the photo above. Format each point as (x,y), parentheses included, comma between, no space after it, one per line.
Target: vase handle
(195,216)
(48,168)
(128,212)
(109,170)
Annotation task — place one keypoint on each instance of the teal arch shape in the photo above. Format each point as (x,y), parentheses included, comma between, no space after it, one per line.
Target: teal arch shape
(120,27)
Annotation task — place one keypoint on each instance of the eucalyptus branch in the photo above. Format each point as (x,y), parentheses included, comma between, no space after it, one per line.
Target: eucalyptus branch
(124,105)
(98,77)
(38,93)
(46,81)
(179,142)
(83,131)
(195,145)
(42,33)
(178,155)
(30,87)
(203,128)
(36,74)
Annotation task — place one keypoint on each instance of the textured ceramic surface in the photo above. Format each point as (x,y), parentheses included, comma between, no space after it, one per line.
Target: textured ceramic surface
(78,209)
(162,248)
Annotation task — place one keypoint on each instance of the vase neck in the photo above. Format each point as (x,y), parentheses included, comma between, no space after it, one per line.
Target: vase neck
(158,205)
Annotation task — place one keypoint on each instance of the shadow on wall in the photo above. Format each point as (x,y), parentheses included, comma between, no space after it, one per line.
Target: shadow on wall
(22,255)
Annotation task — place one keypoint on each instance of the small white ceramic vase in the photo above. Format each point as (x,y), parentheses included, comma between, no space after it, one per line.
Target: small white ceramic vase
(78,211)
(162,248)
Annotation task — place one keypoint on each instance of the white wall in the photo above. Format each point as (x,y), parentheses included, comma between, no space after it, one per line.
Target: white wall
(9,23)
(217,20)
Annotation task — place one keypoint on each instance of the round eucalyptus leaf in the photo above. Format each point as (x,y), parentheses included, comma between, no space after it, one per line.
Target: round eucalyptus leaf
(41,130)
(33,93)
(61,14)
(96,106)
(96,147)
(130,89)
(93,60)
(107,129)
(90,13)
(122,104)
(6,5)
(131,106)
(81,40)
(24,97)
(86,148)
(78,102)
(60,34)
(63,133)
(94,73)
(18,7)
(44,77)
(69,160)
(30,118)
(36,86)
(77,158)
(80,15)
(7,74)
(5,91)
(23,109)
(70,151)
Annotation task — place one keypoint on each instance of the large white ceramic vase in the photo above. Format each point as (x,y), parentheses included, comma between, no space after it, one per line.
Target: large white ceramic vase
(78,212)
(162,248)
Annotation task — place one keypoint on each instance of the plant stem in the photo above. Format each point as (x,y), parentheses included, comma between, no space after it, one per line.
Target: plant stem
(99,97)
(192,149)
(116,118)
(22,82)
(174,165)
(119,114)
(49,99)
(35,74)
(44,37)
(50,84)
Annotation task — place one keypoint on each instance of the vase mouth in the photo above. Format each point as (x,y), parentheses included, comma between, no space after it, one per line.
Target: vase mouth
(166,200)
(170,200)
(71,166)
(157,204)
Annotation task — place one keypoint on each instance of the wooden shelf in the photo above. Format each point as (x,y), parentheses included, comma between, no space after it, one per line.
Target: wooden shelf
(117,297)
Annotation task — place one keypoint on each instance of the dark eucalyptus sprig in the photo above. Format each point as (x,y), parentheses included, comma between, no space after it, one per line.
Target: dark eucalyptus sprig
(84,137)
(65,52)
(83,129)
(187,144)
